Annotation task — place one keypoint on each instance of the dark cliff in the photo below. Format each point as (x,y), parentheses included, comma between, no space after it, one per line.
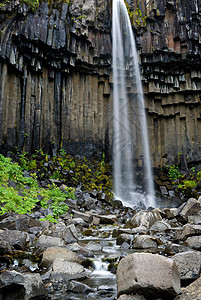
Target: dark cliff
(56,83)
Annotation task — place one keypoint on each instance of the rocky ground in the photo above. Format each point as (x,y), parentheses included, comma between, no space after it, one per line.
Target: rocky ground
(155,254)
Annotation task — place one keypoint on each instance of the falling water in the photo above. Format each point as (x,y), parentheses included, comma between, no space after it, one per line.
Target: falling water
(130,127)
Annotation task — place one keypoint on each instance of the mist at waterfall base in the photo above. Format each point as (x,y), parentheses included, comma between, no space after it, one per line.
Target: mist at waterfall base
(130,137)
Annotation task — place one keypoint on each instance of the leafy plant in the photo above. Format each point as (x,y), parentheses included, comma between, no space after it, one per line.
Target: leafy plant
(25,192)
(173,172)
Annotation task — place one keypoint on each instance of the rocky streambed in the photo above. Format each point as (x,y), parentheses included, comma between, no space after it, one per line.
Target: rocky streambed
(103,252)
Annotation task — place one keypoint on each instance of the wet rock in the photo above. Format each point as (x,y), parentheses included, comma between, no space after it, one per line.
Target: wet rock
(131,297)
(86,217)
(187,231)
(90,203)
(144,242)
(70,234)
(18,222)
(65,270)
(5,247)
(195,219)
(93,247)
(191,207)
(52,253)
(29,264)
(124,238)
(107,219)
(160,226)
(194,242)
(151,275)
(188,265)
(75,247)
(144,218)
(13,283)
(170,212)
(191,292)
(172,248)
(17,239)
(78,222)
(49,241)
(78,287)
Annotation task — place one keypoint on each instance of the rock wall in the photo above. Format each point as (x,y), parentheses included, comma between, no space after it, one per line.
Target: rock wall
(54,86)
(56,82)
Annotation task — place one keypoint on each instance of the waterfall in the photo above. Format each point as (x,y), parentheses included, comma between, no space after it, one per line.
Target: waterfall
(130,126)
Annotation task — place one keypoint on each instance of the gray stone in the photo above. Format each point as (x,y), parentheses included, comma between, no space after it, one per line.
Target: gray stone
(170,212)
(188,264)
(49,241)
(144,218)
(65,270)
(195,219)
(15,238)
(148,274)
(93,247)
(18,222)
(191,207)
(131,297)
(160,226)
(86,217)
(107,219)
(191,292)
(70,234)
(144,242)
(78,287)
(12,283)
(50,254)
(187,231)
(194,242)
(124,237)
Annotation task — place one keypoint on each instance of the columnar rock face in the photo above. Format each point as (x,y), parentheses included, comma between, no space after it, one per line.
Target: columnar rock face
(54,85)
(56,81)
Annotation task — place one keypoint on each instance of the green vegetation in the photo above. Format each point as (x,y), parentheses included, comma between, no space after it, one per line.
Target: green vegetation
(72,171)
(188,183)
(173,172)
(20,193)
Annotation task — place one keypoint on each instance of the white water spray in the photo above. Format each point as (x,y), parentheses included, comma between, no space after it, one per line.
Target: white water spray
(130,126)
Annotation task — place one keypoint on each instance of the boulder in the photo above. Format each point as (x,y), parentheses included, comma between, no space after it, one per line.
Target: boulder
(64,270)
(160,226)
(195,219)
(49,241)
(144,242)
(144,219)
(191,207)
(78,287)
(148,274)
(70,234)
(170,212)
(50,254)
(131,297)
(188,230)
(13,283)
(93,247)
(15,238)
(124,237)
(86,217)
(191,292)
(18,222)
(107,219)
(194,242)
(188,264)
